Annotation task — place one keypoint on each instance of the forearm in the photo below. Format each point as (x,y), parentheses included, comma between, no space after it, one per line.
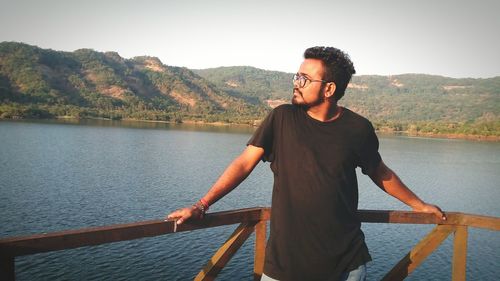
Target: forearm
(234,174)
(396,188)
(388,181)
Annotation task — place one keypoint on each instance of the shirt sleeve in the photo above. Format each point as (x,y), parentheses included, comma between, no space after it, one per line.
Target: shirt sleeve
(368,155)
(264,137)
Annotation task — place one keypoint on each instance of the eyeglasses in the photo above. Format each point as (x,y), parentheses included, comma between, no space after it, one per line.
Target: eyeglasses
(303,81)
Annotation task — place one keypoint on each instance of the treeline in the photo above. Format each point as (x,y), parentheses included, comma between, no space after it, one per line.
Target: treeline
(470,128)
(43,111)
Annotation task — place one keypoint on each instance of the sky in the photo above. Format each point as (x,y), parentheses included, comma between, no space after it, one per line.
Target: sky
(384,37)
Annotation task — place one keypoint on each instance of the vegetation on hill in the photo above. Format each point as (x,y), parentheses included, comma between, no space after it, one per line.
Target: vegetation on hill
(428,104)
(254,85)
(413,103)
(41,83)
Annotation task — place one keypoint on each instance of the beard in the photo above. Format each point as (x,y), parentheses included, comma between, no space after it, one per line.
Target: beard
(295,100)
(298,99)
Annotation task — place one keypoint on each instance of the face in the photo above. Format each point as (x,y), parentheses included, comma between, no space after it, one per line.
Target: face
(313,93)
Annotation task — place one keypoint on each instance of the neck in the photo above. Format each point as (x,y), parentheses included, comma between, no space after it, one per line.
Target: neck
(326,112)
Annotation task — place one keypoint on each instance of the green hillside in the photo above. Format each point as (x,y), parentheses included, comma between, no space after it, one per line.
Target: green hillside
(428,104)
(416,103)
(250,83)
(39,83)
(42,83)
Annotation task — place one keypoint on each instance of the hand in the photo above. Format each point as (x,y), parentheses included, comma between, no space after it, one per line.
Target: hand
(429,208)
(184,214)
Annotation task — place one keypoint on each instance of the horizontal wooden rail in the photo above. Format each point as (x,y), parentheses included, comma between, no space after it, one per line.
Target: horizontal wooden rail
(39,243)
(452,218)
(250,219)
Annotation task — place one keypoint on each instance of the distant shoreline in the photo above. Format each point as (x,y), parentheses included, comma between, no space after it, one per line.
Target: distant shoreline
(224,124)
(383,132)
(441,136)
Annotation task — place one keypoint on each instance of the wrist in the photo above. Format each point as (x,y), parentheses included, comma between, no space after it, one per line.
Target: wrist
(205,204)
(417,204)
(201,208)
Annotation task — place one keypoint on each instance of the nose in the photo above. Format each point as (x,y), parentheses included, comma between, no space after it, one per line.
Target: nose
(296,83)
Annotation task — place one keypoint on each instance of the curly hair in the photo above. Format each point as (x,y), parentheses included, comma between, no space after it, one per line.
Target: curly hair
(339,67)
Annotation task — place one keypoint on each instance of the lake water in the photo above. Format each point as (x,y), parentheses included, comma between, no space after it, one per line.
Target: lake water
(57,176)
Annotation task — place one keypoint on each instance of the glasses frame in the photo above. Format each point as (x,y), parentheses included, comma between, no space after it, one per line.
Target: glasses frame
(299,78)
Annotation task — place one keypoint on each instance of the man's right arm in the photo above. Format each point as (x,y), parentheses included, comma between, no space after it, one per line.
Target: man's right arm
(234,174)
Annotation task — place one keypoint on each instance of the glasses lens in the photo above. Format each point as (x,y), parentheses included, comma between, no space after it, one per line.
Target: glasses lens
(300,79)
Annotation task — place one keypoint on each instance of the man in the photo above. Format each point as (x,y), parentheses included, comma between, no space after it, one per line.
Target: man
(314,146)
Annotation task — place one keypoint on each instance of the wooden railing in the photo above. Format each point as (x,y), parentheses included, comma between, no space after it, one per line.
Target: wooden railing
(250,220)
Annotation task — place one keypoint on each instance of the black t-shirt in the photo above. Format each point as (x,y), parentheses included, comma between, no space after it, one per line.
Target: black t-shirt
(315,233)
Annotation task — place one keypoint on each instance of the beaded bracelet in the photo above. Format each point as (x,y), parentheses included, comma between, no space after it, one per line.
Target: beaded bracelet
(198,205)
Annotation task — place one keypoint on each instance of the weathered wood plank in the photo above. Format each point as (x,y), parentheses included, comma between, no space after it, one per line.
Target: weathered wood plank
(491,223)
(225,252)
(38,243)
(388,216)
(453,218)
(459,254)
(260,249)
(62,240)
(265,214)
(32,244)
(419,253)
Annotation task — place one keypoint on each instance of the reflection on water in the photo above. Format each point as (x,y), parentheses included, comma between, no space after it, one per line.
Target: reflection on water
(199,127)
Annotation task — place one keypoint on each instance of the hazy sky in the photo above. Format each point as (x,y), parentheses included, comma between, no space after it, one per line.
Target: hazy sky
(450,38)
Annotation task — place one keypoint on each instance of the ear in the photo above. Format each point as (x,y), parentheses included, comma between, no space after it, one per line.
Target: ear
(330,89)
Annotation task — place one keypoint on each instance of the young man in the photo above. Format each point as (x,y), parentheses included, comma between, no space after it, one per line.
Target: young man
(314,146)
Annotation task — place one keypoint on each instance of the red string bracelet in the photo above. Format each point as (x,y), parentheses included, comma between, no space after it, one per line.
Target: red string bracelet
(204,203)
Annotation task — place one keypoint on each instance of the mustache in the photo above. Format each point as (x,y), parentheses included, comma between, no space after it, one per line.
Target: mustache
(296,90)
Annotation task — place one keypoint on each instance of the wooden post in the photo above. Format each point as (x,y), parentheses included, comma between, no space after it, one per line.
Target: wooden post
(260,250)
(225,252)
(419,253)
(459,254)
(7,268)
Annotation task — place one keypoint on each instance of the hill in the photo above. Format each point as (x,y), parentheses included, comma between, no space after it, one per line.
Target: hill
(36,82)
(254,85)
(43,83)
(415,103)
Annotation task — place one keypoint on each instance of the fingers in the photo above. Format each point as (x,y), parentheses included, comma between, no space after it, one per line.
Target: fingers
(439,213)
(429,208)
(443,216)
(174,215)
(182,219)
(180,215)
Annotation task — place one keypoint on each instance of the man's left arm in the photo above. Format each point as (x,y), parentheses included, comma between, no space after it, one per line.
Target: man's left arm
(388,181)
